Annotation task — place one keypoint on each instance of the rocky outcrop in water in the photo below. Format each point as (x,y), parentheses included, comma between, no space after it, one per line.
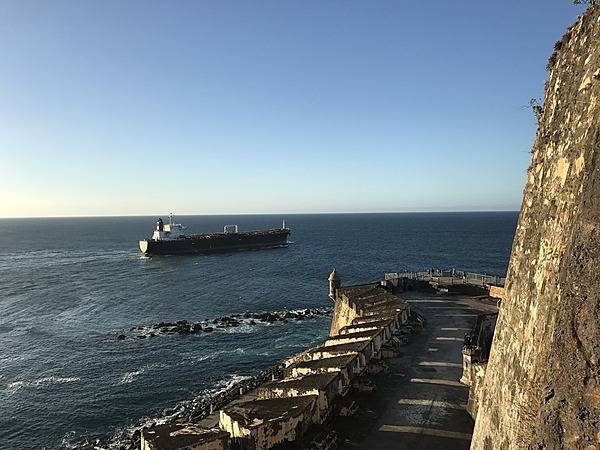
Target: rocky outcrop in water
(184,327)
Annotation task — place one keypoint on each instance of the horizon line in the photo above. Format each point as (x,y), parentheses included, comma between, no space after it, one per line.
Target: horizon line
(90,216)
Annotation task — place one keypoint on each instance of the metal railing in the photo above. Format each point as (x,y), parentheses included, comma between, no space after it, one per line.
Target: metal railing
(451,276)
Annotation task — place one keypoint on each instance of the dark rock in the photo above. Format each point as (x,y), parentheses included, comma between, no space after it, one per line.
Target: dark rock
(121,337)
(267,317)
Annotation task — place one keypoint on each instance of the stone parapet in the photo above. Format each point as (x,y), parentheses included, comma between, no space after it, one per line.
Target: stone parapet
(262,424)
(183,437)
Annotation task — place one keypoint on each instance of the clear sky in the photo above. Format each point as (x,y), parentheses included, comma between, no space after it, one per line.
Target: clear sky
(145,107)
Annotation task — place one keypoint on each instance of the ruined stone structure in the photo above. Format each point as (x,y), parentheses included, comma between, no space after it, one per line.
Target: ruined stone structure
(366,318)
(542,383)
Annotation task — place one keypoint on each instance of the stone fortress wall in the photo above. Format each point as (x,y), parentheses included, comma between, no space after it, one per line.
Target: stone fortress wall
(365,320)
(541,386)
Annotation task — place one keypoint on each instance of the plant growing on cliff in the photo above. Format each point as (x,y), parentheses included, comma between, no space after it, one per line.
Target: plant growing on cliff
(537,108)
(585,2)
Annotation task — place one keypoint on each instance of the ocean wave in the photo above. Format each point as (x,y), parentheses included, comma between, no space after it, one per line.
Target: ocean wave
(236,351)
(245,328)
(14,386)
(131,376)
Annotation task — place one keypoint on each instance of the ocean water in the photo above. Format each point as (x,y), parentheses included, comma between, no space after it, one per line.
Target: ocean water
(69,286)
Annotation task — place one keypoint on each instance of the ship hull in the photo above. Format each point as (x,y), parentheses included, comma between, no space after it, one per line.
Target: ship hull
(217,242)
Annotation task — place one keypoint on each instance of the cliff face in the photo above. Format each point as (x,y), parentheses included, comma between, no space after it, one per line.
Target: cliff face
(542,384)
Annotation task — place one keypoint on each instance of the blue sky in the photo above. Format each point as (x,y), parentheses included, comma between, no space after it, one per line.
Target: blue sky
(198,107)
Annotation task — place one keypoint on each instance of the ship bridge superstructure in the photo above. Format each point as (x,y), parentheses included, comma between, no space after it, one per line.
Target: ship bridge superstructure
(168,231)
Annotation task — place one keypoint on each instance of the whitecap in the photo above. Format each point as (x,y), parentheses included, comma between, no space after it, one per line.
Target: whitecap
(14,386)
(235,351)
(56,380)
(129,377)
(243,329)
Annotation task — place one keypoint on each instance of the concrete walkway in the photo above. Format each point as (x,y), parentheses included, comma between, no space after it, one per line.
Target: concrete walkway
(420,404)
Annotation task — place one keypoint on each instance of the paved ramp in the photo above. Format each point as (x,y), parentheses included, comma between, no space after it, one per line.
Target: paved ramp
(423,402)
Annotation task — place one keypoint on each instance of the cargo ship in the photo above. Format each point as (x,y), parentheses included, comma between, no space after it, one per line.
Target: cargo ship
(171,239)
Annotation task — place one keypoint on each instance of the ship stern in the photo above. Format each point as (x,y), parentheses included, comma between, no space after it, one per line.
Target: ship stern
(144,246)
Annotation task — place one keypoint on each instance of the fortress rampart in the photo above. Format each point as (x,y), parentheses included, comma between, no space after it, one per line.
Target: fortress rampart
(365,320)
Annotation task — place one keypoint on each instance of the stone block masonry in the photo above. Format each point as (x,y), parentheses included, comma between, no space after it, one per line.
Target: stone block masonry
(541,388)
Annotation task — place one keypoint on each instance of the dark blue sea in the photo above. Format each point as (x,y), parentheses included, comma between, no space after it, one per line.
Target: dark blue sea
(68,286)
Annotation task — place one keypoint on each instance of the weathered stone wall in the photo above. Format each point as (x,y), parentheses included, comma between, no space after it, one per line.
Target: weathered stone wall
(476,387)
(497,291)
(542,384)
(344,312)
